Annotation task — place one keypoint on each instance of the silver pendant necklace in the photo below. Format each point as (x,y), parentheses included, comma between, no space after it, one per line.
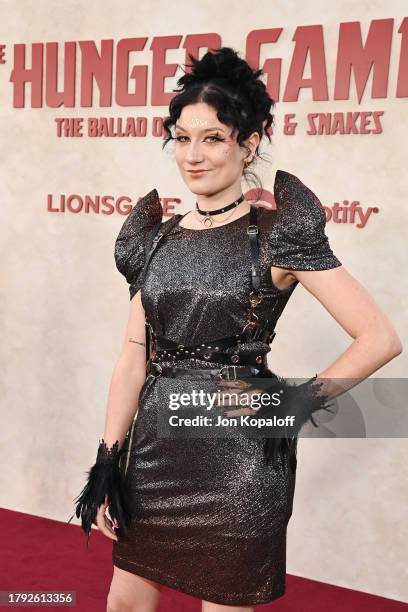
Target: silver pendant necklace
(208,221)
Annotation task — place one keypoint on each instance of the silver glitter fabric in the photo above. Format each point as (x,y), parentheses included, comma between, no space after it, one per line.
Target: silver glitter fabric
(209,515)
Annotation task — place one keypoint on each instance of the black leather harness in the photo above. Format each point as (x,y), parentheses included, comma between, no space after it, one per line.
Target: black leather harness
(159,348)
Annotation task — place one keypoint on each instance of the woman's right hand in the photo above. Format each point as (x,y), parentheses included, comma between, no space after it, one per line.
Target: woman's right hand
(104,524)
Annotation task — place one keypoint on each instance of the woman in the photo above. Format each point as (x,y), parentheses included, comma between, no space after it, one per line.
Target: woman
(208,515)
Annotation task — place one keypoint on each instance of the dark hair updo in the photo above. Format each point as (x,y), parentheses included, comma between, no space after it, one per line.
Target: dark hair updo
(226,82)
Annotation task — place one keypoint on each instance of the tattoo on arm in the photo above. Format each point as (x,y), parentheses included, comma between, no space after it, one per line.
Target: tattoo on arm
(136,342)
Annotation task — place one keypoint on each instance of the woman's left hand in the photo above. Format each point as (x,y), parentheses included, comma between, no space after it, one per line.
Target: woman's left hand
(242,389)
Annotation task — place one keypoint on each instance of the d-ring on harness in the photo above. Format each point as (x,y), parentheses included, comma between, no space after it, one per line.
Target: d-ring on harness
(159,348)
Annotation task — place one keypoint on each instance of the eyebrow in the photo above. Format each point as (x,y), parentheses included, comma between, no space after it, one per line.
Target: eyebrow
(178,127)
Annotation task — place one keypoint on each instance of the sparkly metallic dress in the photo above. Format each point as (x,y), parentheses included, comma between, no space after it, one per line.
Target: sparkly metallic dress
(209,516)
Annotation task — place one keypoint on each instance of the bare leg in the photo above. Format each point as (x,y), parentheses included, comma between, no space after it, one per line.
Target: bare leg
(131,593)
(208,606)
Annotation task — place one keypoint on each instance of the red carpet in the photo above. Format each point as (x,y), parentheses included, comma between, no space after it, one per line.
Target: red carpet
(42,554)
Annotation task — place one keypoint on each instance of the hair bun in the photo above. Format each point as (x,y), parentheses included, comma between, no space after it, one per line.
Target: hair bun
(223,63)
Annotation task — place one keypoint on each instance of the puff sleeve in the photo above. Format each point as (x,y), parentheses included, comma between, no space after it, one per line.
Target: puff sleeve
(297,240)
(131,241)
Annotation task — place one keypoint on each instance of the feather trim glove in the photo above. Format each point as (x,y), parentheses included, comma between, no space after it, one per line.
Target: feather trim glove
(300,401)
(104,482)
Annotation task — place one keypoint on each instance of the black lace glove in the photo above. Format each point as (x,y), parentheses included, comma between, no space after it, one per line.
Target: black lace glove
(104,481)
(298,400)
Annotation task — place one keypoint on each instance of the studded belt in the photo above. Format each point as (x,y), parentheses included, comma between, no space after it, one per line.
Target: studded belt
(168,350)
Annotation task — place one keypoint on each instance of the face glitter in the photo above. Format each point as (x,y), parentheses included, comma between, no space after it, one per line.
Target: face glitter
(197,122)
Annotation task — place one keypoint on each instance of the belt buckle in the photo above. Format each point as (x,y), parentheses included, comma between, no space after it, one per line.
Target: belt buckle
(227,367)
(158,368)
(154,368)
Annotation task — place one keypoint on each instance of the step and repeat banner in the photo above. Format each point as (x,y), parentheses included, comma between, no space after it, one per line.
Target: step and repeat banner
(84,90)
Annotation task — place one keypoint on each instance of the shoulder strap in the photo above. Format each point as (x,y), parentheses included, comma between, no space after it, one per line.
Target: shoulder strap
(154,238)
(252,230)
(264,334)
(156,235)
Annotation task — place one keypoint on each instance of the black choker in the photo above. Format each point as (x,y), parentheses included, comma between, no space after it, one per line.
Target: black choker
(209,213)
